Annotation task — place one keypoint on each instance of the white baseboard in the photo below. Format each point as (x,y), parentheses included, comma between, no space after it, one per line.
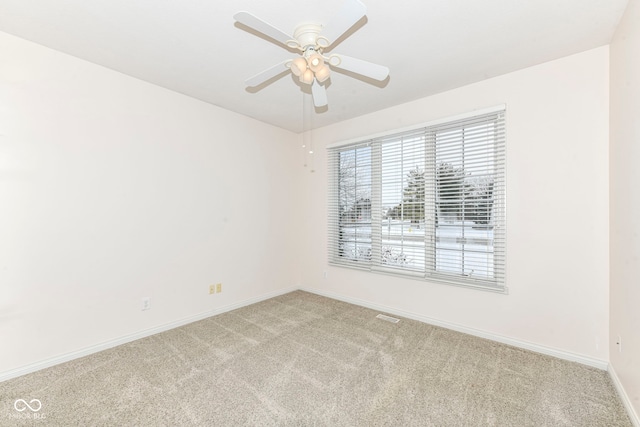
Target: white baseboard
(600,364)
(27,369)
(633,415)
(561,354)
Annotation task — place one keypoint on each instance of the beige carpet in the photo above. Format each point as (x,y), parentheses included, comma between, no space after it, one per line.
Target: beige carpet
(305,360)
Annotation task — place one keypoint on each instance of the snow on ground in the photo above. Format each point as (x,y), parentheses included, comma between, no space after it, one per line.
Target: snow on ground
(462,247)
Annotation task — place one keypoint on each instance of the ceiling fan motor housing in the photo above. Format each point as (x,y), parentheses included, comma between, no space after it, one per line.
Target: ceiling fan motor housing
(308,35)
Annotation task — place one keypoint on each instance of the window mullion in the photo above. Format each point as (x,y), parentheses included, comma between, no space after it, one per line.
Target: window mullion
(376,204)
(430,203)
(463,204)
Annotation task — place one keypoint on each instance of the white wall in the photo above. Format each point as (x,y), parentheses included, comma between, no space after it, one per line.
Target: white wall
(557,218)
(625,202)
(112,189)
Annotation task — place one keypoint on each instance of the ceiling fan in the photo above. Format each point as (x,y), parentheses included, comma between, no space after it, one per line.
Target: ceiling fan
(312,67)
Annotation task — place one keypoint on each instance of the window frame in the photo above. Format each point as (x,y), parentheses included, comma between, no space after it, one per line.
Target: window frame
(429,272)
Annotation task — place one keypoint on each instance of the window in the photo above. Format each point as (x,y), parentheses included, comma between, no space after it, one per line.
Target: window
(427,202)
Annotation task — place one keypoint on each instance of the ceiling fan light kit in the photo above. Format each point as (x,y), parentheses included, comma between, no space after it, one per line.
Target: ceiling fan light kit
(311,67)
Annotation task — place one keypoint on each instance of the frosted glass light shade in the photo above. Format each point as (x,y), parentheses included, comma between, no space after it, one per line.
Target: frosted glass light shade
(298,66)
(322,73)
(316,61)
(307,77)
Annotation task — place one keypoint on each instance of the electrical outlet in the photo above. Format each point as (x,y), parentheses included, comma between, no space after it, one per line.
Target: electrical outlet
(218,287)
(146,303)
(212,289)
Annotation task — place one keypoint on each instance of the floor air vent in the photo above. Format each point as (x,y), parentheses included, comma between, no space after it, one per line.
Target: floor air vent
(388,318)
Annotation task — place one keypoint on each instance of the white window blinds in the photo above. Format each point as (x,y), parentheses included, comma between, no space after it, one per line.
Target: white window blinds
(350,205)
(427,202)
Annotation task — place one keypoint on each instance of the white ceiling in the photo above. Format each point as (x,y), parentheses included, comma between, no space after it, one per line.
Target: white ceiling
(195,48)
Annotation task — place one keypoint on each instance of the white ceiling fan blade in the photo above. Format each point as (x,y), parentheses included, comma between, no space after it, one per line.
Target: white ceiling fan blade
(261,26)
(267,74)
(319,94)
(358,66)
(351,12)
